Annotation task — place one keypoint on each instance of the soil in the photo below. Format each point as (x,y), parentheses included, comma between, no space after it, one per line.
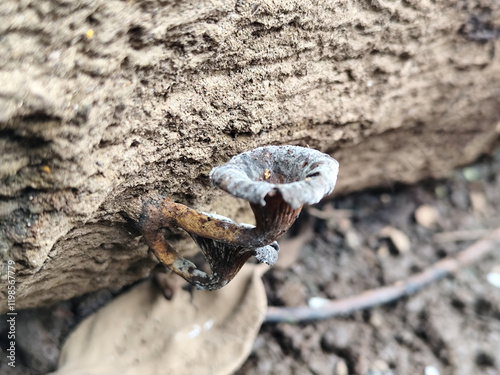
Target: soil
(452,326)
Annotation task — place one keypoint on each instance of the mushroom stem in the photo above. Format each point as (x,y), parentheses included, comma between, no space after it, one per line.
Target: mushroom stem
(207,226)
(276,217)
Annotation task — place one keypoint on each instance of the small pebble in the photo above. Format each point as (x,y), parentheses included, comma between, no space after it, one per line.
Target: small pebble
(479,202)
(431,370)
(380,366)
(320,364)
(383,251)
(426,215)
(385,198)
(341,368)
(352,240)
(471,173)
(317,302)
(344,224)
(399,239)
(494,279)
(339,337)
(376,319)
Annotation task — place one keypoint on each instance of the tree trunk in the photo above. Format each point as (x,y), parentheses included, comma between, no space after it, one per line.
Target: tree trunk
(105,100)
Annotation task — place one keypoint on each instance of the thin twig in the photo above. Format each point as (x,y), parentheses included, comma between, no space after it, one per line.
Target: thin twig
(376,297)
(459,235)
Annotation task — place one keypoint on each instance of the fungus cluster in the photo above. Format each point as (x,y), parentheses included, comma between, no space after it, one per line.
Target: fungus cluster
(276,180)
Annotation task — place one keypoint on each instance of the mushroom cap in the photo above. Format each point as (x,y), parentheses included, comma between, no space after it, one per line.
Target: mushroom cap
(301,175)
(226,259)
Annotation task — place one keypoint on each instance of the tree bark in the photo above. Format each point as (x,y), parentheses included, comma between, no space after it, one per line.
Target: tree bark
(105,100)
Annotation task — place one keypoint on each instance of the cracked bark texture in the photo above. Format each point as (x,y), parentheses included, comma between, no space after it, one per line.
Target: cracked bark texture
(159,92)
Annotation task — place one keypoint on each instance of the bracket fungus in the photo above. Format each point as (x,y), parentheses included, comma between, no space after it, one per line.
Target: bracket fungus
(276,180)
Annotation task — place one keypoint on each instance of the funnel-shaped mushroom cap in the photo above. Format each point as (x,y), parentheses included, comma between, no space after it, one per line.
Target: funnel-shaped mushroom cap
(226,259)
(301,175)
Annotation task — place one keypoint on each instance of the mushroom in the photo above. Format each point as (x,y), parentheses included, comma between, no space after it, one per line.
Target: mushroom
(276,180)
(224,258)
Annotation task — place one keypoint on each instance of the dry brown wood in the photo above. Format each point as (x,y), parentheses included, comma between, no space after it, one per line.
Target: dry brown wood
(137,104)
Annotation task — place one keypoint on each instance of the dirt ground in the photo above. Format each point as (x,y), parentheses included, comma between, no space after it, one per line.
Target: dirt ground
(452,326)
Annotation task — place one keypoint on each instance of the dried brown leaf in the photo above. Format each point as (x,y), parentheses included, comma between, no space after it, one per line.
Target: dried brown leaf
(143,333)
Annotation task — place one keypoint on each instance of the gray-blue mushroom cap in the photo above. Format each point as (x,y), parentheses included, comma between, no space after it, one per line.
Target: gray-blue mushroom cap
(301,175)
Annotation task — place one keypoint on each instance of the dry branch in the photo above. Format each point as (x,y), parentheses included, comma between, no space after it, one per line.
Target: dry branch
(376,297)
